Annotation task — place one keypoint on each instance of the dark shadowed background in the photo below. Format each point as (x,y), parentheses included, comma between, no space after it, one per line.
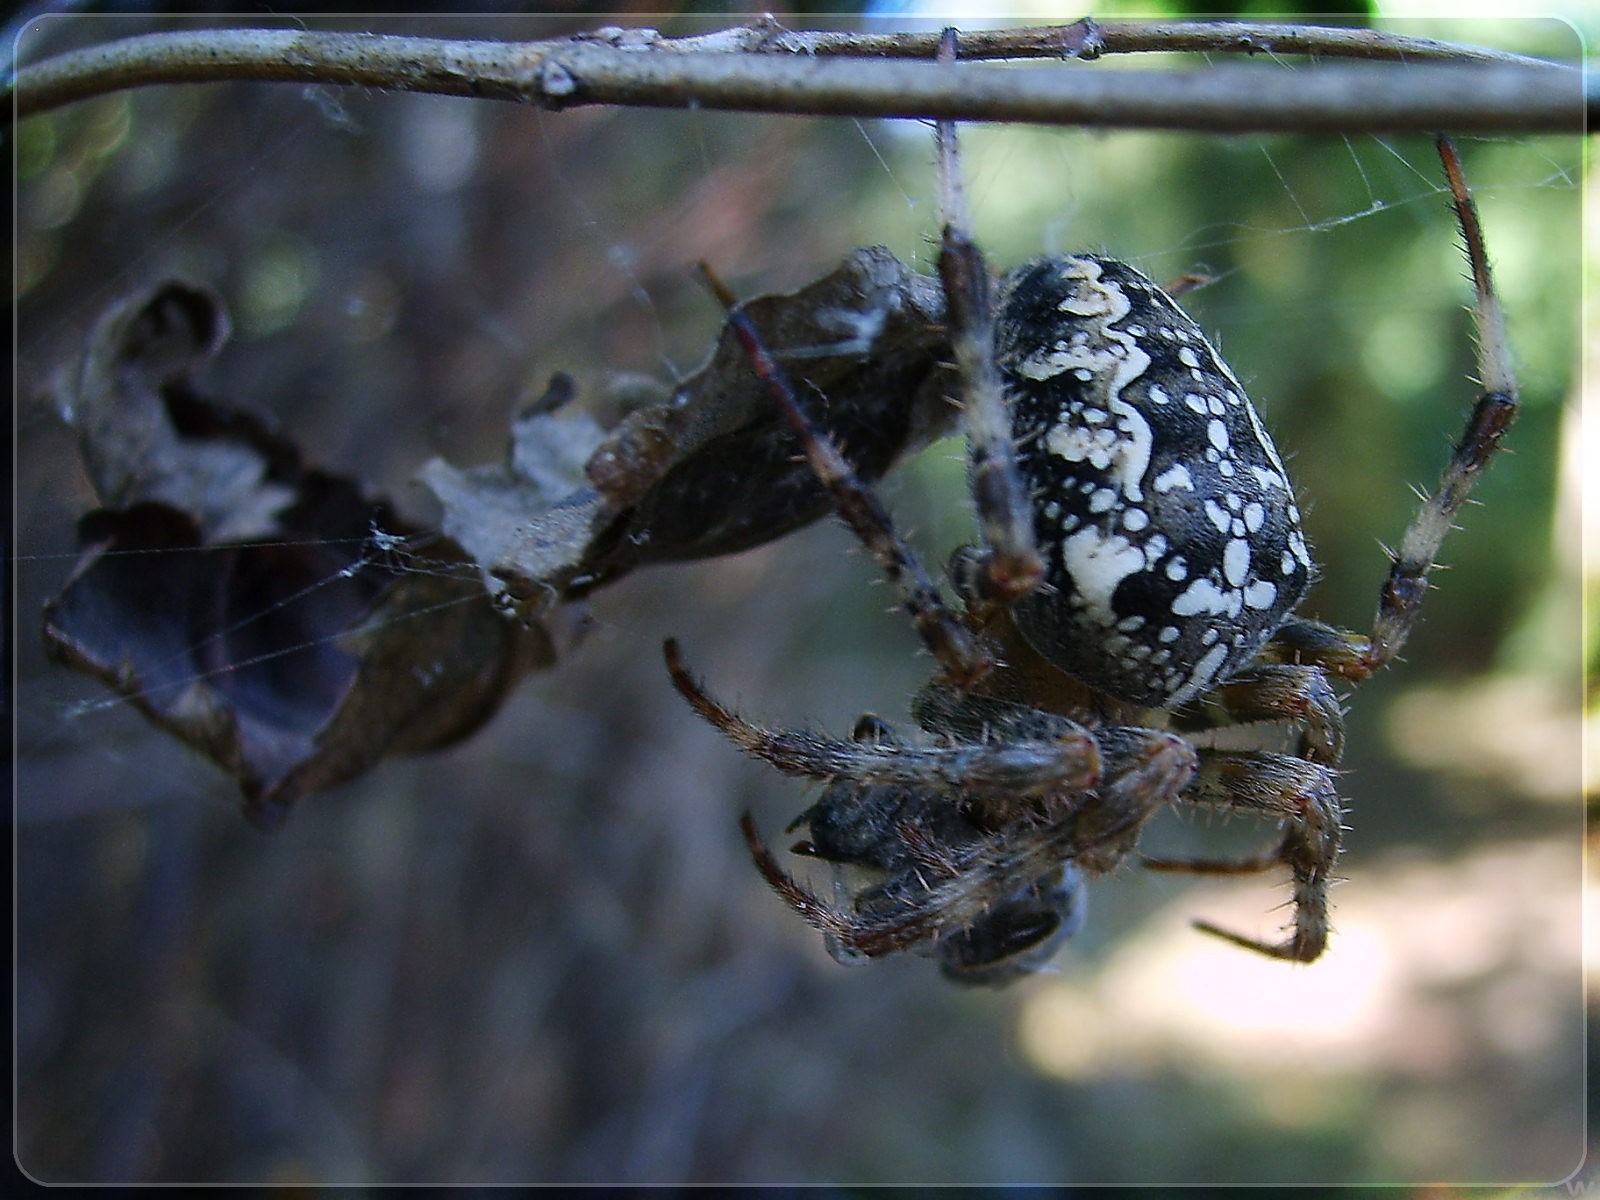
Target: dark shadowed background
(544,955)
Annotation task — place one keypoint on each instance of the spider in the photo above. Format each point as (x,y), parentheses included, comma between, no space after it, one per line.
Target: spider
(1134,586)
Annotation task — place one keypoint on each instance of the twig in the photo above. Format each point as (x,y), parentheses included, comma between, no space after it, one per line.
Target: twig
(762,68)
(1089,38)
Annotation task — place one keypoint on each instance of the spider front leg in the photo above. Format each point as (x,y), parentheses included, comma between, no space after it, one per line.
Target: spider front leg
(942,631)
(1303,796)
(1008,566)
(1357,657)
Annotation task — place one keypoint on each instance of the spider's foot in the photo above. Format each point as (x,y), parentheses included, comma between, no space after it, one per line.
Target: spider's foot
(1304,946)
(803,902)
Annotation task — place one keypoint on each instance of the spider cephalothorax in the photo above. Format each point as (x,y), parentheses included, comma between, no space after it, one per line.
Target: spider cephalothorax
(1140,561)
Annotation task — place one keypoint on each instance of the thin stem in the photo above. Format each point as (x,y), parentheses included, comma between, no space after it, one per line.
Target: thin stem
(1088,38)
(764,69)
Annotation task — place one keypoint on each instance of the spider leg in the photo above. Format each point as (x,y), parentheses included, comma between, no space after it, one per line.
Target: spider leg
(1286,692)
(817,912)
(1145,769)
(1300,793)
(961,884)
(1069,761)
(949,713)
(1356,657)
(1496,406)
(1008,566)
(950,641)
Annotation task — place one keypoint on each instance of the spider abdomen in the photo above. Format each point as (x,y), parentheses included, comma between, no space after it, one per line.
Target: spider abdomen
(1168,527)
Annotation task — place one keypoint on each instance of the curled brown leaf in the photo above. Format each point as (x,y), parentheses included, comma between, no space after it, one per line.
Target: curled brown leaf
(711,467)
(272,616)
(297,631)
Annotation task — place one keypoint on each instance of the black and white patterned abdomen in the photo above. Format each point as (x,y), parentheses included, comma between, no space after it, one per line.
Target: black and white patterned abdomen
(1170,535)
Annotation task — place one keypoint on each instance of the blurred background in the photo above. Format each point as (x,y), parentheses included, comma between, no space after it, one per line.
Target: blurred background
(544,955)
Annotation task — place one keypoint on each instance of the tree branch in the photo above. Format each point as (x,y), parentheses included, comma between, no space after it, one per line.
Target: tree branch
(1427,85)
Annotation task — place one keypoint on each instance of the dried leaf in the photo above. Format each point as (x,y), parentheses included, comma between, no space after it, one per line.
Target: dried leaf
(272,616)
(713,468)
(297,632)
(530,521)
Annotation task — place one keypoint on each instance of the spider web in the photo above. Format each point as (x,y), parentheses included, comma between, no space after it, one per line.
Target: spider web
(483,247)
(405,272)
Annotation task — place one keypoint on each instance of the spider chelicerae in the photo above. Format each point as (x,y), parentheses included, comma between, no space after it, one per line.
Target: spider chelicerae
(1135,584)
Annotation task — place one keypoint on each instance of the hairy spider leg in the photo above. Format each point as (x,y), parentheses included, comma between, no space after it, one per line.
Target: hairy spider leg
(1008,566)
(1298,789)
(1357,657)
(964,662)
(1145,770)
(1068,762)
(1285,692)
(1303,796)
